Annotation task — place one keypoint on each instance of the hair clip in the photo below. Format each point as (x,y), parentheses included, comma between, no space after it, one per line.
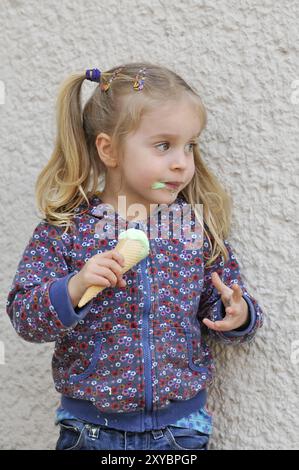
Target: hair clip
(106,85)
(93,75)
(139,80)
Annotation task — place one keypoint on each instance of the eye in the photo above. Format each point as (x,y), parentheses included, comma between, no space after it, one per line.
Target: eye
(193,144)
(163,143)
(167,143)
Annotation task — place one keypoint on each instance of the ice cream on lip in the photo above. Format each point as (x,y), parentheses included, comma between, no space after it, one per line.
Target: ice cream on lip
(160,185)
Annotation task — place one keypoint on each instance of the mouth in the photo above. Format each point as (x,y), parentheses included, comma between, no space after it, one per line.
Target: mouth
(170,185)
(173,185)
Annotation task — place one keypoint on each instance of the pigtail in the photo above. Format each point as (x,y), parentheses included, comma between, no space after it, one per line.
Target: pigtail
(64,183)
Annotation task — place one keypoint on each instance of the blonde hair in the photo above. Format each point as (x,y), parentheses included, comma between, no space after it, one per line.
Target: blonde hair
(73,173)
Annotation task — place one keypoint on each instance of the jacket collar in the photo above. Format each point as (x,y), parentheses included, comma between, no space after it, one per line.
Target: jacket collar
(100,210)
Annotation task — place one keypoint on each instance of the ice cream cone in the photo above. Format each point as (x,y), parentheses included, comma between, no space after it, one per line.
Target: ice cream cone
(133,244)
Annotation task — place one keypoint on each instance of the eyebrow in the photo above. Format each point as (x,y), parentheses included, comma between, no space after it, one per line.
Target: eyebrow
(171,135)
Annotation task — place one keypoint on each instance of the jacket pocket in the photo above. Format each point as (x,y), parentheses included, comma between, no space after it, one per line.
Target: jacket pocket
(75,378)
(114,374)
(194,351)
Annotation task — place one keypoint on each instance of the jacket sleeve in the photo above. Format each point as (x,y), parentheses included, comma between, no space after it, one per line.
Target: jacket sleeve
(211,306)
(38,304)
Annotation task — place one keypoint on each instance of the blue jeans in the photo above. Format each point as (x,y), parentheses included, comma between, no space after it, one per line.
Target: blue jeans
(76,435)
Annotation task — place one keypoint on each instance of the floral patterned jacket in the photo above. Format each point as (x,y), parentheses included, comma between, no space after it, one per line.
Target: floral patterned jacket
(137,353)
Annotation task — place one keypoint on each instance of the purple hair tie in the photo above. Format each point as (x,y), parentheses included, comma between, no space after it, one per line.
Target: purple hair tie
(94,75)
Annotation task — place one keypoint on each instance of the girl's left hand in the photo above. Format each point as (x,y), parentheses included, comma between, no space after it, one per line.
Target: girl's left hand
(236,307)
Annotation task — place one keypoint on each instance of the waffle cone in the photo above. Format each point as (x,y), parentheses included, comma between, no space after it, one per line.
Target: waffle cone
(133,253)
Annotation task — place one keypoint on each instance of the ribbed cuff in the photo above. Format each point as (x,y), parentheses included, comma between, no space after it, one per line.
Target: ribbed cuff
(220,313)
(61,301)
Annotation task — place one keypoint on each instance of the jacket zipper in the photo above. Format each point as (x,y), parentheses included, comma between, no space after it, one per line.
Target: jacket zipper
(148,391)
(146,345)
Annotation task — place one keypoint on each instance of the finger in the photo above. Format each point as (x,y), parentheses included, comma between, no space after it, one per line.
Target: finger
(121,282)
(230,310)
(97,280)
(220,286)
(115,266)
(231,316)
(113,254)
(112,264)
(108,274)
(237,293)
(118,257)
(221,325)
(117,271)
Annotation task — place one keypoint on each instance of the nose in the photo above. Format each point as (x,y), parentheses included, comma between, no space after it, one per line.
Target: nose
(179,161)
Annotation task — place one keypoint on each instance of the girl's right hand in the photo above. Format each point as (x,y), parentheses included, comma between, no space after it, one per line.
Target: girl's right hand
(103,270)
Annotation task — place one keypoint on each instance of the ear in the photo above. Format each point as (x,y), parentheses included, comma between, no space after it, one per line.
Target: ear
(104,148)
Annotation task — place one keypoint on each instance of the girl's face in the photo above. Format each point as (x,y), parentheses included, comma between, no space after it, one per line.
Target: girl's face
(161,150)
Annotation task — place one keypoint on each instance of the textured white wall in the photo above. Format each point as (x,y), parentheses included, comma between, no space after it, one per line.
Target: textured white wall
(243,58)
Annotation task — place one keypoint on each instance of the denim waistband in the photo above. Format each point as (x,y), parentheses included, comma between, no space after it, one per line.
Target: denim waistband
(94,430)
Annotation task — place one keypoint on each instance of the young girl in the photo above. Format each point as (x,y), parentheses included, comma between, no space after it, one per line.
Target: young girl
(132,365)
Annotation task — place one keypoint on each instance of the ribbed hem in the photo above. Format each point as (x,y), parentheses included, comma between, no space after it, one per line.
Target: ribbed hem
(139,421)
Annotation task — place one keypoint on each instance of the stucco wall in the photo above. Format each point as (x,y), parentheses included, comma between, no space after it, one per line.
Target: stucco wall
(242,56)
